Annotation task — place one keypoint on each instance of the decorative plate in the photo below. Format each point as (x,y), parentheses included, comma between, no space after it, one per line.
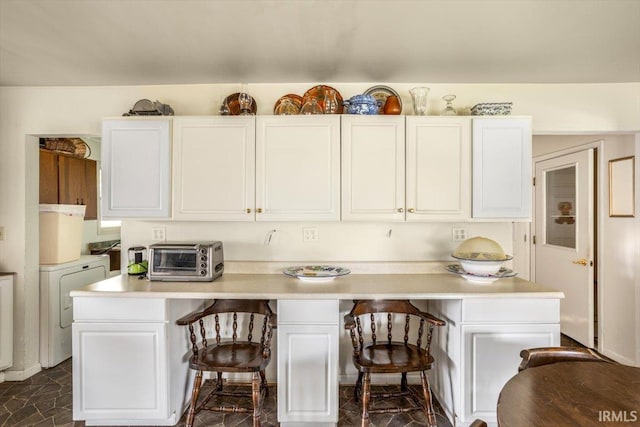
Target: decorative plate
(234,105)
(318,93)
(316,273)
(295,100)
(381,93)
(504,272)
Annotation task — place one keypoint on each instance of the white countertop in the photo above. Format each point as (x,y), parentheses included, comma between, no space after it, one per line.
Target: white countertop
(352,286)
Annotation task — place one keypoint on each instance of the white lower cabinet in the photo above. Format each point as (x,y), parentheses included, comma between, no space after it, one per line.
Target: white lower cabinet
(6,321)
(130,366)
(478,350)
(308,362)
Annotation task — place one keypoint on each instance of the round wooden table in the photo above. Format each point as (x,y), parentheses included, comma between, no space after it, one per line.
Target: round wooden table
(572,394)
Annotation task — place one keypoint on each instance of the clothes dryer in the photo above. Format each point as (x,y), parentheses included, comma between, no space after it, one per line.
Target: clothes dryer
(56,306)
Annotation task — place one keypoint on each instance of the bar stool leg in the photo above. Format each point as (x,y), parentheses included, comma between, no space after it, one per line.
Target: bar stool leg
(256,391)
(366,397)
(357,391)
(431,416)
(263,383)
(197,382)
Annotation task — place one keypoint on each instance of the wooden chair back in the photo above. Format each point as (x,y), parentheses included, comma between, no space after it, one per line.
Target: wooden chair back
(546,355)
(373,309)
(232,308)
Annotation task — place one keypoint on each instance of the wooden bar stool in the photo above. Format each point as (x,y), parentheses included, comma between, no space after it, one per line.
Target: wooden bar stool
(385,355)
(230,354)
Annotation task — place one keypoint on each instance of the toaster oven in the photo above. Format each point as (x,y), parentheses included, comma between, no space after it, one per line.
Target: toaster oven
(182,261)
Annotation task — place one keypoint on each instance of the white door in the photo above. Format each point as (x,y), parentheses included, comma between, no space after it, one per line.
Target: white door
(564,238)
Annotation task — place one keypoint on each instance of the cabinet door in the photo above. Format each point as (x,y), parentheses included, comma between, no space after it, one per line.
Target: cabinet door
(135,168)
(6,321)
(120,371)
(298,168)
(373,168)
(438,168)
(502,177)
(48,177)
(308,373)
(77,183)
(491,355)
(214,168)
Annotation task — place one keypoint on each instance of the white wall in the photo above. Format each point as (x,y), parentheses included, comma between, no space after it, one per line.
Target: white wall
(337,241)
(618,246)
(78,110)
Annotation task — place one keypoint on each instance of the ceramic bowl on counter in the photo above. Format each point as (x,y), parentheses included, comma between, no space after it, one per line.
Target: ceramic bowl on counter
(480,256)
(362,104)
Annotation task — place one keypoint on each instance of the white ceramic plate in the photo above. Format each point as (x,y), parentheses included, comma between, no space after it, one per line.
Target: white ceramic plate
(316,273)
(504,272)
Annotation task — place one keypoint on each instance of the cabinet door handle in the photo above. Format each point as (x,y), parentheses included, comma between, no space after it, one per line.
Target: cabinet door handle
(411,210)
(582,262)
(248,210)
(259,210)
(400,210)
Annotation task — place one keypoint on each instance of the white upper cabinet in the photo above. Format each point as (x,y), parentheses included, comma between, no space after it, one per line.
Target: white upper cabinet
(214,168)
(438,164)
(298,168)
(502,177)
(135,166)
(373,168)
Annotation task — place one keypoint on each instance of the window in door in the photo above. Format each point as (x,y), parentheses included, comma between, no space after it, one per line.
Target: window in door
(560,207)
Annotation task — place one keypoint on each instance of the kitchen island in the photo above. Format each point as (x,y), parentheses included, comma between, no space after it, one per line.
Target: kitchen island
(130,359)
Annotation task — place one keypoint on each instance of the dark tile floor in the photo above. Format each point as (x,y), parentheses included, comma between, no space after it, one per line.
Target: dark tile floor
(45,400)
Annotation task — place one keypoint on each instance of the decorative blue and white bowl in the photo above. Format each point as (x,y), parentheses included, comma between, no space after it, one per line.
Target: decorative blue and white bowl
(362,104)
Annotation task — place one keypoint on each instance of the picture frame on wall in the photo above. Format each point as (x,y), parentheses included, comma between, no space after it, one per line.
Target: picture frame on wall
(622,187)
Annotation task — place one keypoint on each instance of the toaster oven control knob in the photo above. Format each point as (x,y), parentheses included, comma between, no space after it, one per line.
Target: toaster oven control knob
(203,258)
(203,272)
(203,251)
(203,265)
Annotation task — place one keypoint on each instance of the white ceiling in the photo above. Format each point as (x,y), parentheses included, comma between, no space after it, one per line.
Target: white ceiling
(123,42)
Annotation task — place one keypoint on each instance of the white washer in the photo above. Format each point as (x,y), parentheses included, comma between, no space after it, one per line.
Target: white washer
(56,309)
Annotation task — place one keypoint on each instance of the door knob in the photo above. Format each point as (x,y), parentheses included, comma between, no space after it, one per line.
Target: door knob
(582,261)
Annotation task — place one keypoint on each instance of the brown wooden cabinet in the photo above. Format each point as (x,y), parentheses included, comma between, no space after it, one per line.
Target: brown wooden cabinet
(69,180)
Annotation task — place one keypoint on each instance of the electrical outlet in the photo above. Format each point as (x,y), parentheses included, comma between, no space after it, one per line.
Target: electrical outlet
(2,233)
(309,234)
(459,234)
(158,234)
